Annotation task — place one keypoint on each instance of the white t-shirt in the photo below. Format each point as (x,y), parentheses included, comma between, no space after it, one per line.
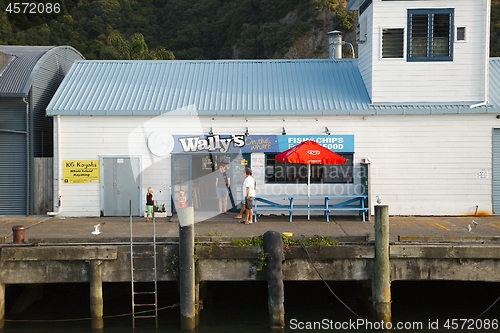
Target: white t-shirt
(249,182)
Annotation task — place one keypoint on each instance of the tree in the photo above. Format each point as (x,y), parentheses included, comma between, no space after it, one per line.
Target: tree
(118,47)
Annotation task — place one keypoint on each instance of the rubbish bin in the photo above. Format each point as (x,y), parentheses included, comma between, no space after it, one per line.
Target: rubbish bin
(18,234)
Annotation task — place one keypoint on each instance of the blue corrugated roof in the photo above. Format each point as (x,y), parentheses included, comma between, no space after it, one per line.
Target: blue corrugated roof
(211,87)
(225,87)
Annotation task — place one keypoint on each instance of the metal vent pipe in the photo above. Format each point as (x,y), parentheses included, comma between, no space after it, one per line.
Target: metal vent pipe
(335,44)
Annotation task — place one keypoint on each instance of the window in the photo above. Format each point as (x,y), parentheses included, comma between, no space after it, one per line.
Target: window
(430,35)
(392,43)
(461,34)
(279,172)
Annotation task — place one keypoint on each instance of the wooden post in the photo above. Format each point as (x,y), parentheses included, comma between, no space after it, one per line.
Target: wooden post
(382,273)
(2,305)
(201,291)
(274,249)
(96,300)
(186,268)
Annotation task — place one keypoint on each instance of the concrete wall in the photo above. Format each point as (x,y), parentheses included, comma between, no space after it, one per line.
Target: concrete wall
(67,264)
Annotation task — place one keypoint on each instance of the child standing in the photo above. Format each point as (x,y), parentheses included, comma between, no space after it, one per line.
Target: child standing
(150,203)
(182,199)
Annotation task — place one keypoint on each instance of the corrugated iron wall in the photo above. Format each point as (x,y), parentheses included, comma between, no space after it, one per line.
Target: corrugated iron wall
(496,170)
(26,136)
(13,157)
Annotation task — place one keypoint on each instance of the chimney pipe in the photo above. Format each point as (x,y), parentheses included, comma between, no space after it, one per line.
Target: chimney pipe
(335,44)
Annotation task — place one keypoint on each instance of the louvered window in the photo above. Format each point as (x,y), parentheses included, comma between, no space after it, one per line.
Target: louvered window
(392,43)
(430,35)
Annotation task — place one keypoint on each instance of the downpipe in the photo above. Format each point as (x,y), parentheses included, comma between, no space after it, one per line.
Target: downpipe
(57,165)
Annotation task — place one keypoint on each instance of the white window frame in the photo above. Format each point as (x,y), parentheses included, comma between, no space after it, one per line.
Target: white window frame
(465,33)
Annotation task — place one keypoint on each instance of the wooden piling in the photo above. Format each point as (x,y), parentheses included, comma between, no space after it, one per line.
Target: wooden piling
(274,249)
(2,305)
(201,292)
(382,269)
(186,268)
(96,299)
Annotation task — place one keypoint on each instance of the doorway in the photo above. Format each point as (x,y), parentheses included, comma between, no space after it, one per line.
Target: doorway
(195,175)
(120,186)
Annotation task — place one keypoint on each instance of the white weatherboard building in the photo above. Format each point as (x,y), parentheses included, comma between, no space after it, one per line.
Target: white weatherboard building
(415,115)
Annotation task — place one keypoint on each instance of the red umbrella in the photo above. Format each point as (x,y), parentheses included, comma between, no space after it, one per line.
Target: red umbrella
(310,152)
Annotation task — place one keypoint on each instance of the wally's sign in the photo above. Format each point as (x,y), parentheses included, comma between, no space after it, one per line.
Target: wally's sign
(215,143)
(234,143)
(225,143)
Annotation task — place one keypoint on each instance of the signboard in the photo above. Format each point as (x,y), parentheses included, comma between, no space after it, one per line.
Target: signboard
(235,143)
(81,171)
(343,143)
(225,143)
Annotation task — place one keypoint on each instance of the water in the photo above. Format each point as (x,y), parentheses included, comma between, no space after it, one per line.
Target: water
(242,306)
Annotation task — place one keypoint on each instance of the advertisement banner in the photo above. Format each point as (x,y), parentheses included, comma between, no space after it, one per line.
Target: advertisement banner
(81,171)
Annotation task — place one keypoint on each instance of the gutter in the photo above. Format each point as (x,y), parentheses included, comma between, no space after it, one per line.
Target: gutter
(57,165)
(478,105)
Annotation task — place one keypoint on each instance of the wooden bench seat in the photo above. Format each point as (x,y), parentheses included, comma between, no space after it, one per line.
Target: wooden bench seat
(348,203)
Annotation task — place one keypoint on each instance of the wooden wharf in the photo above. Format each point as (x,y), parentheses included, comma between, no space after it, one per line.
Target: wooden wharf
(63,250)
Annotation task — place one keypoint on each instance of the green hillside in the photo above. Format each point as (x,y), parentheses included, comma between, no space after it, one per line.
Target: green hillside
(190,29)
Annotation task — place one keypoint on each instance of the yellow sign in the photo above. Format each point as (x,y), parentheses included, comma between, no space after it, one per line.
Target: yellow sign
(81,171)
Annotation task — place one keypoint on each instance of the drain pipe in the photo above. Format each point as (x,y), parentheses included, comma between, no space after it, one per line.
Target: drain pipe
(486,62)
(57,165)
(29,179)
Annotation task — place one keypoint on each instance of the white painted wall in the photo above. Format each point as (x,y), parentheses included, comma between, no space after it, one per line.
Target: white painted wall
(421,164)
(396,80)
(365,51)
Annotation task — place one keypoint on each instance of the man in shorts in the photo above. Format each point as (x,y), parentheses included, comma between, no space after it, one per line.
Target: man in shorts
(249,185)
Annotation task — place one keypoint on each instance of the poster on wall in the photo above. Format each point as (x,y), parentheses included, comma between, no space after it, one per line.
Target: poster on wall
(81,171)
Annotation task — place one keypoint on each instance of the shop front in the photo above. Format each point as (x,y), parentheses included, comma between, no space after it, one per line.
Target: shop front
(195,174)
(196,160)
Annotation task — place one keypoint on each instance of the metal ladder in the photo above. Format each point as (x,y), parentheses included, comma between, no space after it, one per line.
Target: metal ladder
(143,276)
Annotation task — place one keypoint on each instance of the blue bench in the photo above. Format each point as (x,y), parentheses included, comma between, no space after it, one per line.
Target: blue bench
(348,202)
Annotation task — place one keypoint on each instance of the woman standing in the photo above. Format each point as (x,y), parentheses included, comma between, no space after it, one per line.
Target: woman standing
(150,204)
(222,183)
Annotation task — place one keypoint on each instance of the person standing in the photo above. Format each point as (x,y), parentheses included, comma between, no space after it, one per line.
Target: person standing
(222,183)
(182,199)
(150,204)
(243,201)
(249,185)
(243,208)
